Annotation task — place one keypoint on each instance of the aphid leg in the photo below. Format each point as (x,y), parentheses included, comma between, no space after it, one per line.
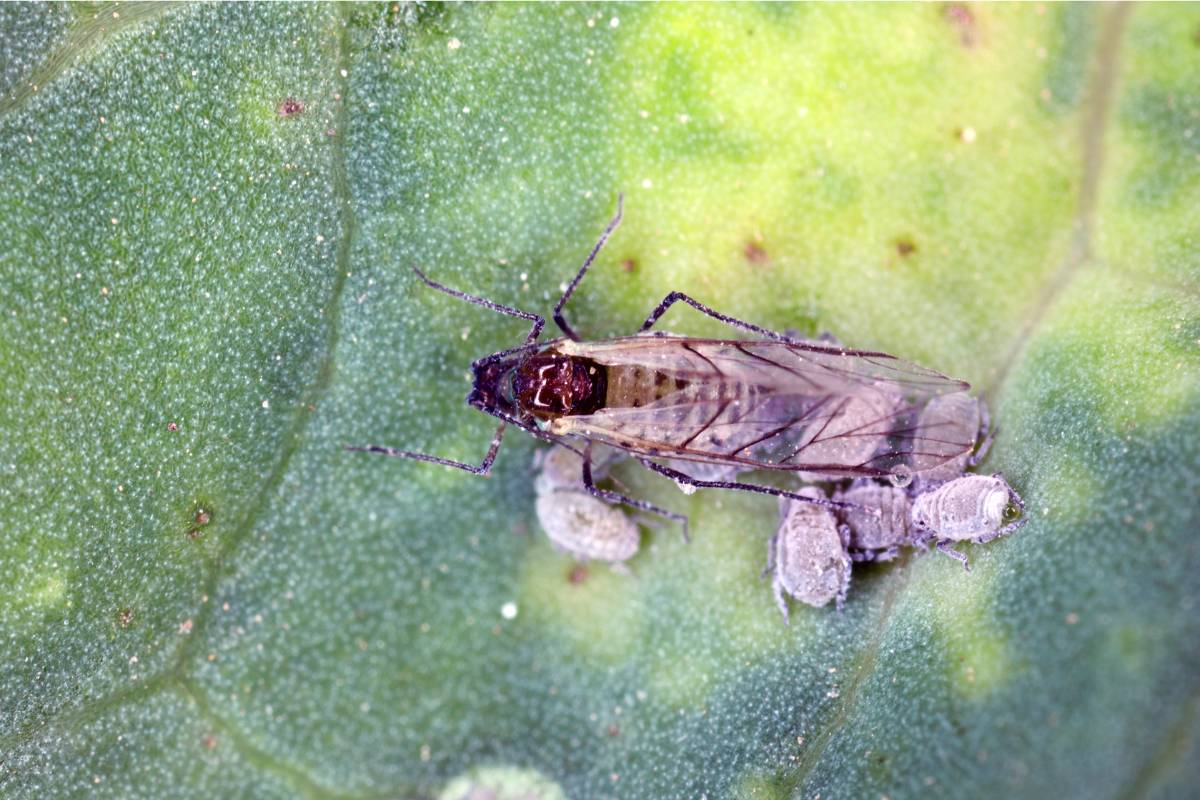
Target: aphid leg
(675,297)
(613,497)
(780,599)
(676,475)
(1007,529)
(840,600)
(537,321)
(770,567)
(945,547)
(482,468)
(985,433)
(559,319)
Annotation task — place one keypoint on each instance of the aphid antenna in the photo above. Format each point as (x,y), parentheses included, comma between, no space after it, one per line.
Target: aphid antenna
(530,338)
(482,468)
(559,319)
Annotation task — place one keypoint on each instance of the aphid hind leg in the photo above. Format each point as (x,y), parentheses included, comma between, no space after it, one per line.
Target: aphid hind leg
(612,497)
(675,297)
(482,468)
(559,319)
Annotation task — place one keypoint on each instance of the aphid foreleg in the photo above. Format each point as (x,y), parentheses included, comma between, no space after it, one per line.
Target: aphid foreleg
(537,321)
(675,297)
(1007,529)
(613,497)
(680,477)
(957,555)
(559,319)
(482,468)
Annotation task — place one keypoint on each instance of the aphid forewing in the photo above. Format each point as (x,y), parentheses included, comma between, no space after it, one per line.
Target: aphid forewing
(764,405)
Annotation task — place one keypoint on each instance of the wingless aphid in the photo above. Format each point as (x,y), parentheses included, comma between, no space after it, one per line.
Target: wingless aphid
(576,522)
(806,558)
(971,508)
(770,402)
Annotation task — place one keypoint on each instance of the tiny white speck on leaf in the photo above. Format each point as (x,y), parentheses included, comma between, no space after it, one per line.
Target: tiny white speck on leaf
(453,43)
(509,610)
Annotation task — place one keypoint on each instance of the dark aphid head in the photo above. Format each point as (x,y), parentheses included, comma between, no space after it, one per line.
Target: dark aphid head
(493,386)
(550,385)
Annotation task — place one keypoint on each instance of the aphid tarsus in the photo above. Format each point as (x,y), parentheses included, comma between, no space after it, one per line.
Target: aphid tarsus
(806,558)
(970,508)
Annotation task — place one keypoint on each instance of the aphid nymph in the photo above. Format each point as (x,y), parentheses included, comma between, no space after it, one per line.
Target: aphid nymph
(576,522)
(971,508)
(877,516)
(806,558)
(768,402)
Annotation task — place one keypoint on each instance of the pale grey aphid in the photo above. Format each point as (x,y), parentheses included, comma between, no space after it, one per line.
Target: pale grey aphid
(806,557)
(970,508)
(875,536)
(576,522)
(960,416)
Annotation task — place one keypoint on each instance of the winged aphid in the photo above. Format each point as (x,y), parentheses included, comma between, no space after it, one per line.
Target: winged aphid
(770,402)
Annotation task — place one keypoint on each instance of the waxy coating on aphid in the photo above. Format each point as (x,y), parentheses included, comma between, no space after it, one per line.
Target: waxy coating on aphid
(878,520)
(806,557)
(576,522)
(974,508)
(770,402)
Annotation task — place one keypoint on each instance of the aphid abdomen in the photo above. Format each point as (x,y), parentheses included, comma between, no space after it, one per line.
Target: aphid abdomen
(876,536)
(968,507)
(585,527)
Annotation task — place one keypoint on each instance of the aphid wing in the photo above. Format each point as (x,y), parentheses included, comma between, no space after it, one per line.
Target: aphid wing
(766,404)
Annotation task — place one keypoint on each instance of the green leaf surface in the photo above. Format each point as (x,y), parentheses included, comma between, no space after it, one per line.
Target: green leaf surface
(209,214)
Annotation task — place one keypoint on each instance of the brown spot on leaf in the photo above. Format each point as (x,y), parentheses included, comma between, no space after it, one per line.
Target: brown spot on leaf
(577,575)
(905,246)
(628,265)
(961,18)
(201,517)
(125,617)
(614,730)
(209,741)
(172,427)
(290,107)
(755,254)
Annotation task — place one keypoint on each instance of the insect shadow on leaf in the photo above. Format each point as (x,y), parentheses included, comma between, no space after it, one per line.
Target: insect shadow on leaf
(771,402)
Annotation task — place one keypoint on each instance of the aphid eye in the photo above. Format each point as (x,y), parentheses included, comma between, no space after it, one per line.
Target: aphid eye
(1011,512)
